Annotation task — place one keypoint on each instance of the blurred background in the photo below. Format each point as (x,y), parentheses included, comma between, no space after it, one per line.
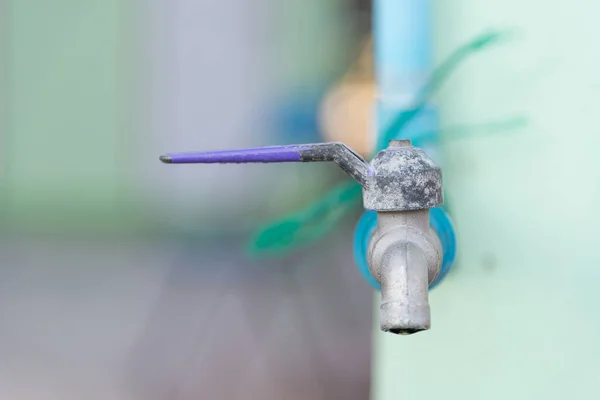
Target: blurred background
(122,278)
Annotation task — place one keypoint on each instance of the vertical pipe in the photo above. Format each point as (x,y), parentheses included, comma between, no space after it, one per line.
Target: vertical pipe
(403,61)
(403,53)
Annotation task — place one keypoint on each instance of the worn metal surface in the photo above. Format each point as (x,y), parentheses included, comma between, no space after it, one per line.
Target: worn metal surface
(404,257)
(404,178)
(348,160)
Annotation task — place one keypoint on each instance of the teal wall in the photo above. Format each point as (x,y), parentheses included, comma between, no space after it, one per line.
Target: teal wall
(518,319)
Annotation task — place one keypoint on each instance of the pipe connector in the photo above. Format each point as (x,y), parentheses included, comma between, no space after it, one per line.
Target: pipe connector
(405,257)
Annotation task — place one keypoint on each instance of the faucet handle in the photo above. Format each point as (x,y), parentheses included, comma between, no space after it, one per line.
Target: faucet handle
(269,154)
(353,164)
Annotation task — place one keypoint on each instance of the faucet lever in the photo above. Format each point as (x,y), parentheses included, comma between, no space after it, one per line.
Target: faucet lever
(348,160)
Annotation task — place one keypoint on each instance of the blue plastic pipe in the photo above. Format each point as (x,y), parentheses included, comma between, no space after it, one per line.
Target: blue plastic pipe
(403,61)
(402,45)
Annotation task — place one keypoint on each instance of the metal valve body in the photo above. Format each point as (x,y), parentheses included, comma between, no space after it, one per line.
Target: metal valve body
(404,253)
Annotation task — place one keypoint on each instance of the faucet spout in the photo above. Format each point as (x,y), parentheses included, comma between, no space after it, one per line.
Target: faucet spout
(404,290)
(404,257)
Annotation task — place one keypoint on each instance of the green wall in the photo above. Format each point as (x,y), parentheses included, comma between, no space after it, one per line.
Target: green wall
(67,98)
(518,319)
(76,134)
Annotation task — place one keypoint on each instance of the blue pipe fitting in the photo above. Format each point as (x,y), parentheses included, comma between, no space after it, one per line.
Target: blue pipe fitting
(439,221)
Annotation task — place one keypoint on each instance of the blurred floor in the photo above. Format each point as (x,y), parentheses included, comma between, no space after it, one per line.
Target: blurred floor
(176,320)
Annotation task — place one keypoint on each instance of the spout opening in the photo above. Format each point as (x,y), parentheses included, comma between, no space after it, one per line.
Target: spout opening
(406,331)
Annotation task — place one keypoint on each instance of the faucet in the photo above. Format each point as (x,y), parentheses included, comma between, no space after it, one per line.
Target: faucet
(401,184)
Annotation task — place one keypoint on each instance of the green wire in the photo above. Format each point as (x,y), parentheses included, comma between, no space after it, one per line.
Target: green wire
(308,225)
(317,220)
(440,75)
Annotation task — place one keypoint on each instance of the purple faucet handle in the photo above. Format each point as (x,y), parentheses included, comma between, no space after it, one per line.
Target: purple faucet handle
(346,158)
(271,154)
